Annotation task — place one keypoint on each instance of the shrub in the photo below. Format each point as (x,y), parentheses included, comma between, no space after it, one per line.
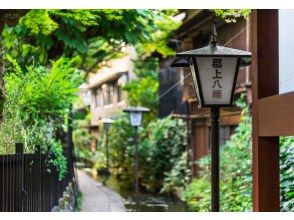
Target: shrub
(287,173)
(36,106)
(163,148)
(162,152)
(177,178)
(235,172)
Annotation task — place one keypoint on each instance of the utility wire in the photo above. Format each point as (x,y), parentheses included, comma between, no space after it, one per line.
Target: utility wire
(169,89)
(237,34)
(173,86)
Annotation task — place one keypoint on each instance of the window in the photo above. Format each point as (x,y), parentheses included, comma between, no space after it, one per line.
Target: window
(97,97)
(119,93)
(108,93)
(104,94)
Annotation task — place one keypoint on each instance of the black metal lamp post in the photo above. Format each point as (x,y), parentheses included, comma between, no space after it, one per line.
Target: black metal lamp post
(214,72)
(106,125)
(136,115)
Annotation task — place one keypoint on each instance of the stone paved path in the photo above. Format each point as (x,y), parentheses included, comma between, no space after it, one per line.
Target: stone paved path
(98,198)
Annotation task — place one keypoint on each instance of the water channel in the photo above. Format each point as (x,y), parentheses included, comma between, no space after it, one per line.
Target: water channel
(148,202)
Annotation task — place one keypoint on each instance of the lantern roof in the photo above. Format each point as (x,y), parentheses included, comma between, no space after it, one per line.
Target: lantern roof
(181,59)
(107,120)
(218,51)
(180,62)
(212,50)
(136,109)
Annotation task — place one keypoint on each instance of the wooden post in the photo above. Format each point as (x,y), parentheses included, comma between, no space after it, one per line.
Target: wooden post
(137,168)
(107,153)
(215,114)
(70,143)
(265,83)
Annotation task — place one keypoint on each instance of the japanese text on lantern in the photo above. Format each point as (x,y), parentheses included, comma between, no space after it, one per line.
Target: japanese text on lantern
(217,92)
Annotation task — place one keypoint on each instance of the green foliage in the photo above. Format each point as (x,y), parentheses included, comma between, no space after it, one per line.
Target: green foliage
(162,150)
(38,22)
(11,128)
(197,195)
(165,24)
(92,35)
(121,149)
(177,178)
(45,93)
(144,92)
(79,201)
(236,172)
(287,173)
(58,159)
(41,83)
(230,15)
(82,139)
(157,138)
(235,166)
(36,104)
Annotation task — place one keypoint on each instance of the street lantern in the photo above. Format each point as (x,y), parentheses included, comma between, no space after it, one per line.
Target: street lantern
(136,115)
(106,125)
(214,72)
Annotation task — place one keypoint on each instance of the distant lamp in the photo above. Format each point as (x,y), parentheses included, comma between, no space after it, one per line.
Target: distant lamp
(214,72)
(106,123)
(136,113)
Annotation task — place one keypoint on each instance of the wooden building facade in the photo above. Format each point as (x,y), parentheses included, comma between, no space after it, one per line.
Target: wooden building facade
(195,33)
(170,91)
(268,83)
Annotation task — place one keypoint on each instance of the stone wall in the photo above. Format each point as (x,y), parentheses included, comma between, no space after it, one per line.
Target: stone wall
(67,203)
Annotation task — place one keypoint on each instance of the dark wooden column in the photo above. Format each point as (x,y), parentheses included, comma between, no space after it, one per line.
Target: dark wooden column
(265,83)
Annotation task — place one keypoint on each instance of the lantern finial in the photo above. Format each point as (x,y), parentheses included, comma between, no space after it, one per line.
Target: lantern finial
(213,41)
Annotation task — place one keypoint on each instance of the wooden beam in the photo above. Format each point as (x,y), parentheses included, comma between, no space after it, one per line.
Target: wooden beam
(266,179)
(230,120)
(265,83)
(275,115)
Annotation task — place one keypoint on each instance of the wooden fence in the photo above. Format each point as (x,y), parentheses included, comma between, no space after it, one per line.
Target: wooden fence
(29,183)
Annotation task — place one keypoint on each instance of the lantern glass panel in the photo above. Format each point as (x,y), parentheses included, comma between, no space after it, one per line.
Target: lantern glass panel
(192,68)
(217,75)
(136,118)
(106,126)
